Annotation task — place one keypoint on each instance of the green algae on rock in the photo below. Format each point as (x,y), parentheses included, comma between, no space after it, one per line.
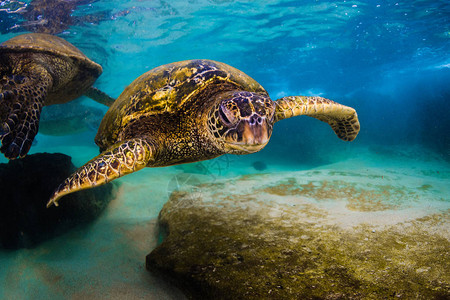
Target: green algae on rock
(238,245)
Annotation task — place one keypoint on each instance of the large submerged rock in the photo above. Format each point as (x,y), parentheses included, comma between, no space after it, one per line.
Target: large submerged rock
(309,235)
(25,187)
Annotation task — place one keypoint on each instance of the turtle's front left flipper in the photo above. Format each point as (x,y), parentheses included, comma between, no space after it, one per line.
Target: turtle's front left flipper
(342,119)
(21,99)
(120,159)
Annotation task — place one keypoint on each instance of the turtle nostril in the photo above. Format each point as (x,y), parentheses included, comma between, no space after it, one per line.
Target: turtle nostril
(255,120)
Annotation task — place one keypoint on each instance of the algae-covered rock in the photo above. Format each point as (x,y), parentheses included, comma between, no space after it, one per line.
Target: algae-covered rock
(304,235)
(25,187)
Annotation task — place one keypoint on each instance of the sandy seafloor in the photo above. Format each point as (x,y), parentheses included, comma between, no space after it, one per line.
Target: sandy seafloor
(106,259)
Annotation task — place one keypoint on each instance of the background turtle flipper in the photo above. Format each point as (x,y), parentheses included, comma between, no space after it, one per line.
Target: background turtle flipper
(342,119)
(21,101)
(99,96)
(122,158)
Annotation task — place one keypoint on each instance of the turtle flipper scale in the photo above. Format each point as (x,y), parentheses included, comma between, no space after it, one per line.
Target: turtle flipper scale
(21,101)
(342,119)
(120,159)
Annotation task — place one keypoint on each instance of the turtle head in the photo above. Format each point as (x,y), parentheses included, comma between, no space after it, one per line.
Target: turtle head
(242,122)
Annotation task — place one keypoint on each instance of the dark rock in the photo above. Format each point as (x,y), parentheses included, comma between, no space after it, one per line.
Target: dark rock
(259,165)
(25,187)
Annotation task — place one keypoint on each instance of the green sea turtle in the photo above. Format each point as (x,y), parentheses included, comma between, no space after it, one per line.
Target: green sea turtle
(36,70)
(192,111)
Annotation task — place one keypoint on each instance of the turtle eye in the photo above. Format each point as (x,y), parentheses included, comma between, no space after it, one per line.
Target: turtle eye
(223,116)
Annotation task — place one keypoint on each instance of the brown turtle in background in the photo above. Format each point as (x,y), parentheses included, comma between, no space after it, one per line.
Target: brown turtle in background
(192,111)
(36,70)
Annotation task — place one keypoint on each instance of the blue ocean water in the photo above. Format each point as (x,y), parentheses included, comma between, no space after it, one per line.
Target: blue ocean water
(390,60)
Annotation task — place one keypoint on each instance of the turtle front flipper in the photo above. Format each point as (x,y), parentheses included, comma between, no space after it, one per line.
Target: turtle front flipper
(342,119)
(120,159)
(21,99)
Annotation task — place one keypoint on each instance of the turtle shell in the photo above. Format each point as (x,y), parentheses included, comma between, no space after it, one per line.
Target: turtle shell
(169,89)
(46,43)
(85,70)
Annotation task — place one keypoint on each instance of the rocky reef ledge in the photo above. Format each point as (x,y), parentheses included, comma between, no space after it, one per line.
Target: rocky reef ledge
(320,234)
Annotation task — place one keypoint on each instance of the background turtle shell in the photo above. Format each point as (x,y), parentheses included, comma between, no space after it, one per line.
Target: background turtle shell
(46,43)
(85,70)
(168,89)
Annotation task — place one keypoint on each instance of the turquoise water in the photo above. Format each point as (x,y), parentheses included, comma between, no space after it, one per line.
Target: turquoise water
(388,59)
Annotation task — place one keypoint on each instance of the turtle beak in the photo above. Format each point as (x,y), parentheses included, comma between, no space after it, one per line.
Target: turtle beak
(251,135)
(255,131)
